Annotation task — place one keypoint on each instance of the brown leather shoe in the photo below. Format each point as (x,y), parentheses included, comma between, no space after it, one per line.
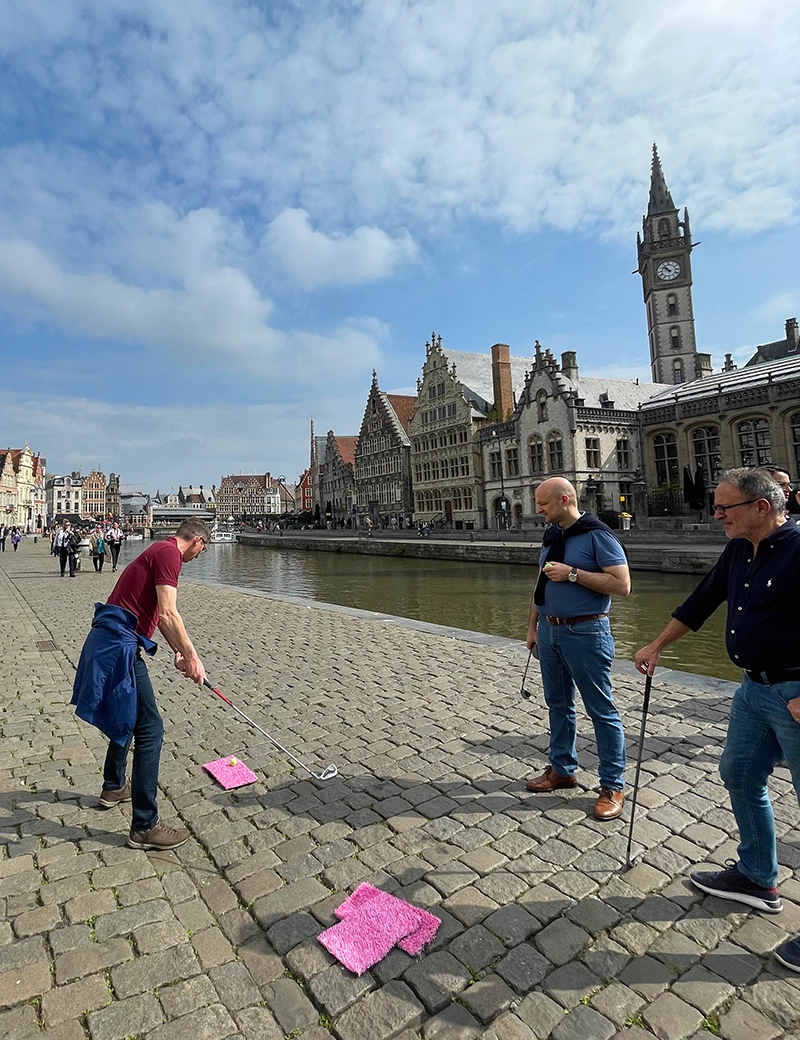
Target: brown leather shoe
(550,780)
(609,805)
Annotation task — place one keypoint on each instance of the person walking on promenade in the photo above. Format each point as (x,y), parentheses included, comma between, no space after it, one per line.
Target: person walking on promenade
(112,687)
(4,532)
(582,565)
(114,538)
(758,574)
(16,537)
(98,545)
(62,543)
(784,482)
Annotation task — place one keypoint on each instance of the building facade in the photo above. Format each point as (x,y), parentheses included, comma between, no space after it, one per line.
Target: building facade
(305,492)
(64,497)
(93,496)
(113,497)
(337,481)
(382,464)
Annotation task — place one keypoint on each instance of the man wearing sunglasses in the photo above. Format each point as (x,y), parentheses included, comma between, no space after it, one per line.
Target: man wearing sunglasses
(758,575)
(112,687)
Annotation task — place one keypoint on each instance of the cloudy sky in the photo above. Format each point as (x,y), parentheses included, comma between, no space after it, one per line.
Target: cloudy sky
(217,218)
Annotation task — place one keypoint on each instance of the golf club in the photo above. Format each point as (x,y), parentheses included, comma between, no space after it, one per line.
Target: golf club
(328,773)
(648,682)
(524,691)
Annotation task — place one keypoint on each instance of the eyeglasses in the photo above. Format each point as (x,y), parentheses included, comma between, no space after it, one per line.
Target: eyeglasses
(726,509)
(205,545)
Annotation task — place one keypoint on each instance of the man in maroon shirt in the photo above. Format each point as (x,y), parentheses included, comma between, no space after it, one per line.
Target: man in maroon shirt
(148,588)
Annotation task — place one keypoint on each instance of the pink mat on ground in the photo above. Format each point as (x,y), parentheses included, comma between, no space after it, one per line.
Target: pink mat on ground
(230,772)
(372,923)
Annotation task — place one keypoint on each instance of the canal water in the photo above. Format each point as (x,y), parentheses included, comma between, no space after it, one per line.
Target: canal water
(482,597)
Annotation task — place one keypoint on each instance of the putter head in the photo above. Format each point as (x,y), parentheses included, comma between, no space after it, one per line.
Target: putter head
(329,772)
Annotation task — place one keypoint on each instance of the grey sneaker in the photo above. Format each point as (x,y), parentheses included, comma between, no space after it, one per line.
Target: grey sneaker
(108,799)
(158,837)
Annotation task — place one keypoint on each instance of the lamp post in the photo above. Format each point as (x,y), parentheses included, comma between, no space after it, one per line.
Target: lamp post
(503,503)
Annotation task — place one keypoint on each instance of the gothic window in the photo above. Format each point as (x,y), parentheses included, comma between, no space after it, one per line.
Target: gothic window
(428,501)
(494,464)
(665,450)
(442,440)
(512,462)
(536,453)
(467,498)
(426,471)
(555,453)
(465,466)
(437,501)
(456,498)
(445,469)
(675,337)
(623,453)
(795,424)
(462,436)
(541,406)
(672,304)
(677,372)
(434,470)
(707,456)
(664,230)
(451,408)
(754,442)
(593,452)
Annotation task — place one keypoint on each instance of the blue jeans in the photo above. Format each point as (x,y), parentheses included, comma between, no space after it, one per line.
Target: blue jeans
(148,733)
(580,655)
(761,731)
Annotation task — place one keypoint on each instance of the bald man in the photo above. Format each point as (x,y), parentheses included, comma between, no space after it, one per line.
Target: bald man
(581,566)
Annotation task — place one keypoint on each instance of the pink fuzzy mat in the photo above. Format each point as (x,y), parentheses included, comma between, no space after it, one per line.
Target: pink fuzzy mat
(372,923)
(230,772)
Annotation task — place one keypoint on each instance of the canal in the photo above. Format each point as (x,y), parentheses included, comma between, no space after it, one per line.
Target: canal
(482,597)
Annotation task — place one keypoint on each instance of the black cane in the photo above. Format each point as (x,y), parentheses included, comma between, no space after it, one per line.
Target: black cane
(645,706)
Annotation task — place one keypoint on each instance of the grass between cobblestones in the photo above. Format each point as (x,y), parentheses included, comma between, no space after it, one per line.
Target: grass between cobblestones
(542,933)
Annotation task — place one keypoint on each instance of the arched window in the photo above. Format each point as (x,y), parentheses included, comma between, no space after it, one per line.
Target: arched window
(541,406)
(675,337)
(677,372)
(672,304)
(555,453)
(707,456)
(665,452)
(755,445)
(536,454)
(794,421)
(664,229)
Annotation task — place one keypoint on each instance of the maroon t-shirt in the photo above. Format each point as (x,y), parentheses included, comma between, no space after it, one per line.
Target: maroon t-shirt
(136,588)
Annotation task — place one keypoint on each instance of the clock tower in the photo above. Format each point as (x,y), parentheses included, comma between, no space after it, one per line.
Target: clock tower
(664,248)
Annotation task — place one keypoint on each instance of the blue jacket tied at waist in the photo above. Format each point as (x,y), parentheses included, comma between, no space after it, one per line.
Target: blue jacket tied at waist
(104,692)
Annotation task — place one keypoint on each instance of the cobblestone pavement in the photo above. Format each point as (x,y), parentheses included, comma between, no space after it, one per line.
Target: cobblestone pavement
(544,933)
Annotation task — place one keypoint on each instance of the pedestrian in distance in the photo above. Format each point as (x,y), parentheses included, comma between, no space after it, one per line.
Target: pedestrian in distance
(581,566)
(4,533)
(62,542)
(98,547)
(112,687)
(113,539)
(758,575)
(16,537)
(784,482)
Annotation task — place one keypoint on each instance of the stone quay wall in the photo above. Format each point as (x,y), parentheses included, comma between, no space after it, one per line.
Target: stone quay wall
(545,932)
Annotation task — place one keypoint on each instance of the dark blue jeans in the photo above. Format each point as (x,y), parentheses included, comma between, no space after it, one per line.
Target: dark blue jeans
(761,731)
(581,655)
(148,734)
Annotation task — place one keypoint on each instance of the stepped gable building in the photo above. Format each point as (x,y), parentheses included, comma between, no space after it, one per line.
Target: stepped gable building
(93,497)
(337,482)
(382,465)
(317,467)
(305,492)
(584,428)
(113,498)
(459,394)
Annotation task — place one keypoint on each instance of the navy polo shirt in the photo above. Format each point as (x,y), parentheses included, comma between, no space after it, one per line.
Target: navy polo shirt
(763,594)
(588,551)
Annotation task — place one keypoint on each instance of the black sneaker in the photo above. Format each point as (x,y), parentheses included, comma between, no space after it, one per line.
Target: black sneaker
(732,884)
(788,954)
(159,837)
(108,799)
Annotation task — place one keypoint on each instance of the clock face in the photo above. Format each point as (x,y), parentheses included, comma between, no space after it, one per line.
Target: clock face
(668,270)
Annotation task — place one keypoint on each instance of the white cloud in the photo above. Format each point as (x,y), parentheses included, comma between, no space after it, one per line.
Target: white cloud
(779,307)
(313,258)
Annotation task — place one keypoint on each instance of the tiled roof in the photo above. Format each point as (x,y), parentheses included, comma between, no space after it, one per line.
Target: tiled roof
(475,372)
(403,407)
(626,394)
(347,448)
(727,382)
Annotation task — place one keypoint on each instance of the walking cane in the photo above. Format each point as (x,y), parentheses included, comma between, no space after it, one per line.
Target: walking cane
(648,682)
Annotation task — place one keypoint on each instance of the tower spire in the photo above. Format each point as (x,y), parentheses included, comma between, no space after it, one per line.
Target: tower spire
(660,198)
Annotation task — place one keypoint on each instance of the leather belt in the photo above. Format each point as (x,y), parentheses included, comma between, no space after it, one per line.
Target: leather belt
(770,676)
(581,617)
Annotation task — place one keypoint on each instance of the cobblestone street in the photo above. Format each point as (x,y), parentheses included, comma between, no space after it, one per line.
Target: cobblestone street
(544,932)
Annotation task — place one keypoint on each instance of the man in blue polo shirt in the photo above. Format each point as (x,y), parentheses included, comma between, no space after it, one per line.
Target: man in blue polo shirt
(581,566)
(758,574)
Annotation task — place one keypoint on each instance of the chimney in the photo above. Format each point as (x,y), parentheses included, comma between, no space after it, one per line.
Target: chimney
(729,365)
(569,365)
(792,334)
(702,365)
(501,381)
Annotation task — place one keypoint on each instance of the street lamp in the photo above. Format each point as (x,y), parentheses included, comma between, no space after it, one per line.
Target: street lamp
(503,503)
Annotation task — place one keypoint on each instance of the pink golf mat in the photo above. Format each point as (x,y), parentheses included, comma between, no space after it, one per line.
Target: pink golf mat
(230,772)
(372,923)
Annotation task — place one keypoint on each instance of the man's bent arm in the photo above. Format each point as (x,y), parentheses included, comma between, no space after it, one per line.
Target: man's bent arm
(611,581)
(172,628)
(647,658)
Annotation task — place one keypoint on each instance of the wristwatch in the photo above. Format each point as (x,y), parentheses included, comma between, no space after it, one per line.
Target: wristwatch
(573,574)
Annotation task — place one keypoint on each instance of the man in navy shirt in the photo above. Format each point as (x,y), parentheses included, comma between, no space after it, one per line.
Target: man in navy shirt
(581,566)
(758,575)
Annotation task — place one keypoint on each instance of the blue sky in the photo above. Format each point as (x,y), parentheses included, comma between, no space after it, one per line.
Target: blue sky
(217,218)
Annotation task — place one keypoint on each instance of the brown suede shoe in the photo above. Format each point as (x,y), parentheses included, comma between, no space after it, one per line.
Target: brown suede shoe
(550,780)
(161,838)
(609,805)
(108,799)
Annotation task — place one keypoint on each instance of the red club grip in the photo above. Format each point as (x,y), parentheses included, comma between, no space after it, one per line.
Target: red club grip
(213,689)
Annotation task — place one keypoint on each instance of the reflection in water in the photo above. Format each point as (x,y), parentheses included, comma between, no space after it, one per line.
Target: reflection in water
(482,597)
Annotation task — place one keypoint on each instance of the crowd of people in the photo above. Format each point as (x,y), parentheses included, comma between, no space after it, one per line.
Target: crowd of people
(15,533)
(66,543)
